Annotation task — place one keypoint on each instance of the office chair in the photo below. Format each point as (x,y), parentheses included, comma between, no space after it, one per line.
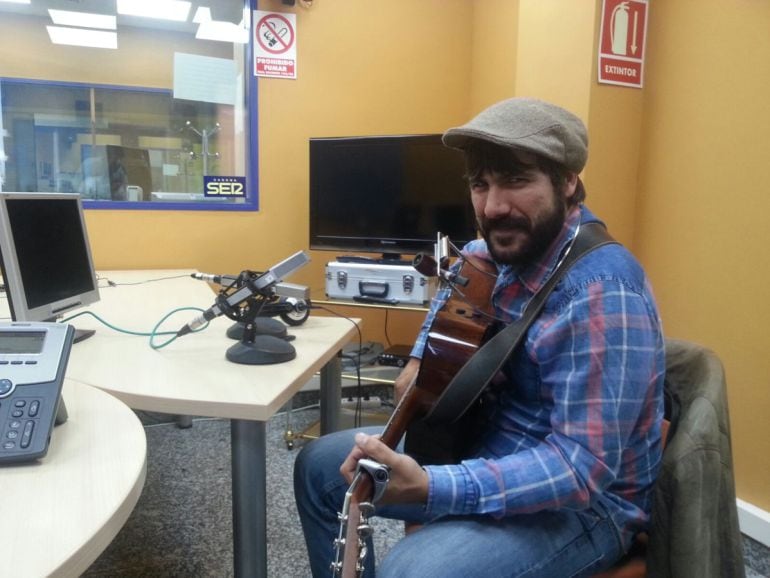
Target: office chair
(694,529)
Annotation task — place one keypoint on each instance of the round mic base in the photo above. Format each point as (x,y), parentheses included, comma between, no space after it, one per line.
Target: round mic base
(264,326)
(264,350)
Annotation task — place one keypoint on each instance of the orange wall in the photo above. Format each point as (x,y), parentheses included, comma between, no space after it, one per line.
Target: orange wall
(701,221)
(493,48)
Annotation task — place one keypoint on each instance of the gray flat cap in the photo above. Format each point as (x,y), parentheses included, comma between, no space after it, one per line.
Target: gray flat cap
(530,125)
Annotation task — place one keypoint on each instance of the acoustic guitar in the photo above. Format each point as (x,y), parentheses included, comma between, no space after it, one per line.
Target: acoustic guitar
(458,330)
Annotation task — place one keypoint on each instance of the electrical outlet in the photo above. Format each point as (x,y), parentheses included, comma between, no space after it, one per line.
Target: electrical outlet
(373,402)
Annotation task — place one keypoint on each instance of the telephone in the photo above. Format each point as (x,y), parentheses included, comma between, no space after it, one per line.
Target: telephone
(33,360)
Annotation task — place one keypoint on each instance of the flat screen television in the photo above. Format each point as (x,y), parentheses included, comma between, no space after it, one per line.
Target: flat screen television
(45,257)
(387,194)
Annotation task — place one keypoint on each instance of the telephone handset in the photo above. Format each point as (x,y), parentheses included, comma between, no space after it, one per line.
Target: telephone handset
(33,360)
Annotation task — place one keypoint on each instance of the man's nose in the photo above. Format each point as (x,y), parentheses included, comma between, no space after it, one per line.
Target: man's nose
(498,203)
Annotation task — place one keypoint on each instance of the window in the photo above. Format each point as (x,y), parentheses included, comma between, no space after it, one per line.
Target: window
(157,121)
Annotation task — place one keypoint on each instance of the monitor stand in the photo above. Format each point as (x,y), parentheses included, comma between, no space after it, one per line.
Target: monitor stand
(81,334)
(383,259)
(393,259)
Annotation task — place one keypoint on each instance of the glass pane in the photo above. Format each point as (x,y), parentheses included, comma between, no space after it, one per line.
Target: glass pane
(149,122)
(41,122)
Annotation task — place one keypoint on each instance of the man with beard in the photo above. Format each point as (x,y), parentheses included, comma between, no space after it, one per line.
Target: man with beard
(559,480)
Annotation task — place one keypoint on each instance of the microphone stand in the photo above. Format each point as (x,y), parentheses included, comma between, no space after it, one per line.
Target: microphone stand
(254,347)
(291,310)
(242,300)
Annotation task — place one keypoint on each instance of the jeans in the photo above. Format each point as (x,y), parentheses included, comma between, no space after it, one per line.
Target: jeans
(544,544)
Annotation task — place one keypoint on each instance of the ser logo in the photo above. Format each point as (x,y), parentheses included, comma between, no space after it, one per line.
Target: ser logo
(224,186)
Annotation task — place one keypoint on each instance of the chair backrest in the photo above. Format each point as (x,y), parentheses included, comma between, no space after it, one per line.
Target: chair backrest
(694,527)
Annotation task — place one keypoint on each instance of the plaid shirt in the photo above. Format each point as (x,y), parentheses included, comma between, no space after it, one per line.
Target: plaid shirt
(577,419)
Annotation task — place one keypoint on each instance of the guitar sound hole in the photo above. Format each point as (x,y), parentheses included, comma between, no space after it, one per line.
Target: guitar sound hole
(460,311)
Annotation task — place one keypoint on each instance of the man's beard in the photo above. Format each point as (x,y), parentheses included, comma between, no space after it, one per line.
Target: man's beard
(538,236)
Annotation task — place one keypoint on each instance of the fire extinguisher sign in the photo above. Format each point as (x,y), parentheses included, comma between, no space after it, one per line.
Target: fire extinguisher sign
(622,42)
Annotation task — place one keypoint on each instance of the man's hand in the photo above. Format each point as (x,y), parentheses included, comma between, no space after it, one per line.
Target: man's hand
(408,481)
(406,377)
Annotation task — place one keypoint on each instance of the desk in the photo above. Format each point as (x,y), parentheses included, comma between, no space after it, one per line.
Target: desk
(192,377)
(57,515)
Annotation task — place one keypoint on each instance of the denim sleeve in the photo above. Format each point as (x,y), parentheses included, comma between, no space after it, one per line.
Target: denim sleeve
(422,337)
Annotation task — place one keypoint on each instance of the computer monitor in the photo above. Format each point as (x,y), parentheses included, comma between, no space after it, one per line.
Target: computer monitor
(45,257)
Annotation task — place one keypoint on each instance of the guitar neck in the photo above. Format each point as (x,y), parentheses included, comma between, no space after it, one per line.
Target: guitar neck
(350,546)
(414,403)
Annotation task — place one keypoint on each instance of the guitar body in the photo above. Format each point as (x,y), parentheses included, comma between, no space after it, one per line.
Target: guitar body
(455,336)
(460,327)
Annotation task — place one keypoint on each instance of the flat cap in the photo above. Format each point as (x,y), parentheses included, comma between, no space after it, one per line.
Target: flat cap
(530,125)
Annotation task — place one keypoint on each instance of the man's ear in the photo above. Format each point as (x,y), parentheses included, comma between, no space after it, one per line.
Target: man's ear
(570,185)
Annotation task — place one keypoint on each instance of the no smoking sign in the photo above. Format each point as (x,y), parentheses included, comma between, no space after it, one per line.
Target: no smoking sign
(275,44)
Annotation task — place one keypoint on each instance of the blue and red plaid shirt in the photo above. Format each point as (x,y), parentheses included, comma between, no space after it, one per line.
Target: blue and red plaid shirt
(578,417)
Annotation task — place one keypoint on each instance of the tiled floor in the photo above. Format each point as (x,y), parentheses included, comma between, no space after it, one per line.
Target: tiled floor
(757,558)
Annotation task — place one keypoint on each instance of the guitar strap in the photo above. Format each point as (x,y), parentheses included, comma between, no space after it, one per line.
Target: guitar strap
(473,377)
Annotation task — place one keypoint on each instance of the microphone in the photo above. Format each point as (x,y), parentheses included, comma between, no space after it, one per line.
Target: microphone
(262,285)
(217,279)
(428,266)
(425,264)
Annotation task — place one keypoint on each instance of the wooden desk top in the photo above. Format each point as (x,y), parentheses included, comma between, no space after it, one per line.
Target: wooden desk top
(58,514)
(190,376)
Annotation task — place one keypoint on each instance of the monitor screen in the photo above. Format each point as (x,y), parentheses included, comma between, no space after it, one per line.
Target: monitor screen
(45,255)
(387,194)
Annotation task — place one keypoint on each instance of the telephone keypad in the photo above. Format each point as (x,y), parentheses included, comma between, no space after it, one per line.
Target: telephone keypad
(21,425)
